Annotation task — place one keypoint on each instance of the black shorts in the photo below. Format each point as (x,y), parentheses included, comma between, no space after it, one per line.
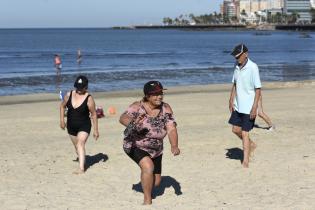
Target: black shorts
(137,154)
(75,128)
(242,120)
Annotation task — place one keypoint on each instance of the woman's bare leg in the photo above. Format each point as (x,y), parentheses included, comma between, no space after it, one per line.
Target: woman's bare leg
(147,168)
(81,140)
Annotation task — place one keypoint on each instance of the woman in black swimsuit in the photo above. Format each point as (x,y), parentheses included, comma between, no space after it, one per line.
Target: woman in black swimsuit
(80,106)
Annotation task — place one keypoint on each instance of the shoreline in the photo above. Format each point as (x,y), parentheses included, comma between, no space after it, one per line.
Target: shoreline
(174,90)
(225,27)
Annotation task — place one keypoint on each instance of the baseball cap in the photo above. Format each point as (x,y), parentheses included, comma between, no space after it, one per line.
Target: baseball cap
(152,87)
(81,82)
(238,50)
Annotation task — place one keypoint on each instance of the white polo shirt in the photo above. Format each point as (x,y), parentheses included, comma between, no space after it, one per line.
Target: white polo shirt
(247,80)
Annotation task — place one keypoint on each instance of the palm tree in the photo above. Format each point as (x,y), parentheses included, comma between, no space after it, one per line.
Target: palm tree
(293,17)
(167,21)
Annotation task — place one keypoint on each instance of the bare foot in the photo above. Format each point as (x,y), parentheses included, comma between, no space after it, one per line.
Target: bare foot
(78,172)
(245,165)
(147,202)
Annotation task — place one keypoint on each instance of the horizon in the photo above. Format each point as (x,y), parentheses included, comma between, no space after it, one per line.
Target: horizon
(38,14)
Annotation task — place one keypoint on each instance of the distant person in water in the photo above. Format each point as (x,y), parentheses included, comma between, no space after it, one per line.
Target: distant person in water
(58,63)
(147,122)
(81,106)
(79,57)
(264,116)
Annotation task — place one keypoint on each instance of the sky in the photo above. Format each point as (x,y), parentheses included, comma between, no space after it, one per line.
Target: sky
(97,13)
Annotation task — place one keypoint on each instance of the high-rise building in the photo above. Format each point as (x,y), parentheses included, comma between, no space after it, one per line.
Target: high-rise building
(245,6)
(229,8)
(276,4)
(252,6)
(302,7)
(258,5)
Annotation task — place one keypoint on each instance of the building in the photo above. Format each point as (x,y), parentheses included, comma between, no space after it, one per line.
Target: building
(259,5)
(313,3)
(252,6)
(276,4)
(245,6)
(302,7)
(229,8)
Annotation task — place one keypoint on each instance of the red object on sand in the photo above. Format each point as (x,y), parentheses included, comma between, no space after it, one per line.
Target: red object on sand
(99,112)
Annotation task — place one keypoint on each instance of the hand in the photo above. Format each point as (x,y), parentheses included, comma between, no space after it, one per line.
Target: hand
(62,124)
(175,151)
(139,120)
(96,135)
(231,106)
(253,113)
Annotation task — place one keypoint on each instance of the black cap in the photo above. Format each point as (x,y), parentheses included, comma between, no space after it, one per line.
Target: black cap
(152,87)
(239,50)
(81,82)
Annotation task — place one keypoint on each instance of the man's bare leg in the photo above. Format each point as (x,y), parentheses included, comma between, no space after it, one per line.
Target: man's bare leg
(147,179)
(265,117)
(246,148)
(238,132)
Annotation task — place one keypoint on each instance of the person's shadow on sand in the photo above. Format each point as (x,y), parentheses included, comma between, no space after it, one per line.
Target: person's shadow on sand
(260,127)
(235,154)
(166,182)
(91,160)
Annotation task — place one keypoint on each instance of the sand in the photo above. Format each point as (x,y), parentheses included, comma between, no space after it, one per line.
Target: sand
(36,156)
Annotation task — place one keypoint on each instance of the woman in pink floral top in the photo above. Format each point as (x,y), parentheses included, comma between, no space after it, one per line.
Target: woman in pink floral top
(147,123)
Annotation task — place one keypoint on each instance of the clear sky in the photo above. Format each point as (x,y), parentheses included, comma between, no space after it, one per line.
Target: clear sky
(97,13)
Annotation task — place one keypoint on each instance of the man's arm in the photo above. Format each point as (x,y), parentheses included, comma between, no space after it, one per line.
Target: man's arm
(253,112)
(232,95)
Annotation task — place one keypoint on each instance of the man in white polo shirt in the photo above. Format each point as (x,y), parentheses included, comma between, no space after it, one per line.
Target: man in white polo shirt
(244,99)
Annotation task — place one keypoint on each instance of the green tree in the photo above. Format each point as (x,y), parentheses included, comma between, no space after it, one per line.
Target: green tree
(293,17)
(167,21)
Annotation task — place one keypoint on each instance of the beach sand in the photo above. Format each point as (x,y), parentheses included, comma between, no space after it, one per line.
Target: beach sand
(36,156)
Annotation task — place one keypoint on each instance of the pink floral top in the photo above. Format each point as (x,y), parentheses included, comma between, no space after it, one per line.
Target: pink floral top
(150,134)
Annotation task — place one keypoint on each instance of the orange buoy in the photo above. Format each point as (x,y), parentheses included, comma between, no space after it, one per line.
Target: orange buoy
(111,110)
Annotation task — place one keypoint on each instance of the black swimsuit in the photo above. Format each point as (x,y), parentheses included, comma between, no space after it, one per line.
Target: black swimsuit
(78,119)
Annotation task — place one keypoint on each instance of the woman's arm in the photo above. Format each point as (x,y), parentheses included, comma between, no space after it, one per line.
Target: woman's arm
(62,110)
(172,131)
(173,138)
(91,105)
(125,119)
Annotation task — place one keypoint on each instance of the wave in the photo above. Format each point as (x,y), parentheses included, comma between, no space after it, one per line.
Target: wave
(13,55)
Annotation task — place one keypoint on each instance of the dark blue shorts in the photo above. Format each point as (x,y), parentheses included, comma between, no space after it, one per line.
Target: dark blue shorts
(242,120)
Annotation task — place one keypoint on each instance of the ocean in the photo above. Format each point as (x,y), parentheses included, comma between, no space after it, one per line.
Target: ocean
(126,59)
